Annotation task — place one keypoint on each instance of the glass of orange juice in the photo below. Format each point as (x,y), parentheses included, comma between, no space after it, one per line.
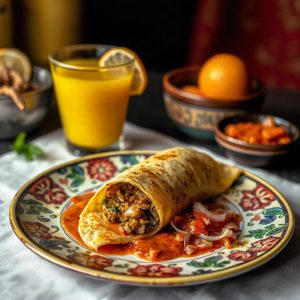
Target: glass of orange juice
(92,99)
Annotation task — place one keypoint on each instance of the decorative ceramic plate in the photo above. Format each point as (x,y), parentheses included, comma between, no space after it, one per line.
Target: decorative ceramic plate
(35,216)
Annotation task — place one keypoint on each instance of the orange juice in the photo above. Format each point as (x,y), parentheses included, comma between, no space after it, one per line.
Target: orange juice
(92,101)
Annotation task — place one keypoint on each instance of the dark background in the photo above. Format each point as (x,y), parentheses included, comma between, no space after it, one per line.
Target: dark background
(158,31)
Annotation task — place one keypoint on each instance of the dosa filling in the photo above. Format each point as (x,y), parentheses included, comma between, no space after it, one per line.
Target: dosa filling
(128,206)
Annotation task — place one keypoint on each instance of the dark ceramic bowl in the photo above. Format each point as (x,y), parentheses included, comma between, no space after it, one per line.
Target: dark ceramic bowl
(250,154)
(197,116)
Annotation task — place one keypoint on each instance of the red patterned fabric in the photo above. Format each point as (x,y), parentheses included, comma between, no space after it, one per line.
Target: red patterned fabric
(264,33)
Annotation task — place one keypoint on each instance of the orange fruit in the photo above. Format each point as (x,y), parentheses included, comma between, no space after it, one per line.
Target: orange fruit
(121,55)
(16,60)
(224,76)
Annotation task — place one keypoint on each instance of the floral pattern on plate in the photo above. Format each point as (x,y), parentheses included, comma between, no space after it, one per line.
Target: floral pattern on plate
(35,214)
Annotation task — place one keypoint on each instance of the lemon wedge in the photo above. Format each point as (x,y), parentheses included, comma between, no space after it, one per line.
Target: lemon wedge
(121,55)
(15,59)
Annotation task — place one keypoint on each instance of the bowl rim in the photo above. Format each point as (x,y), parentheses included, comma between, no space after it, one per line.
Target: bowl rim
(207,101)
(236,144)
(46,87)
(254,152)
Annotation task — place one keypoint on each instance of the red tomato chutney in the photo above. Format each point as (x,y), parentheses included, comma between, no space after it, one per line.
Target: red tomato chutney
(70,217)
(162,246)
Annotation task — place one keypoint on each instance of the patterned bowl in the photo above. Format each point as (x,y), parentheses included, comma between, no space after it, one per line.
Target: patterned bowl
(196,115)
(255,155)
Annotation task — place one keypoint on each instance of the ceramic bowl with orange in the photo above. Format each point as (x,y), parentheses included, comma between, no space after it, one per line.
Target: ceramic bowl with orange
(197,114)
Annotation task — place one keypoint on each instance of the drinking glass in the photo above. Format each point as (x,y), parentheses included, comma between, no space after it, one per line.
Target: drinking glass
(92,100)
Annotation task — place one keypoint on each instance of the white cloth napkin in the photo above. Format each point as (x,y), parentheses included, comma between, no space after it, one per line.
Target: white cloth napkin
(24,275)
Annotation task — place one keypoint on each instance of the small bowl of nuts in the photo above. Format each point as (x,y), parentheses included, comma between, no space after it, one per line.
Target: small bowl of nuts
(256,139)
(25,93)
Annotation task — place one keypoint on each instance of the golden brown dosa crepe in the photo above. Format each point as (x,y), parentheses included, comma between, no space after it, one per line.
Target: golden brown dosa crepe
(172,179)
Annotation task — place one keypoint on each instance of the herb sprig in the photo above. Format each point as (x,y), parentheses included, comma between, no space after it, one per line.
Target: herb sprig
(27,150)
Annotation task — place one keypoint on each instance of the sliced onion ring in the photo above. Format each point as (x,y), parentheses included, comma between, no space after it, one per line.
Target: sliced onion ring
(187,235)
(214,217)
(226,233)
(186,239)
(177,229)
(231,225)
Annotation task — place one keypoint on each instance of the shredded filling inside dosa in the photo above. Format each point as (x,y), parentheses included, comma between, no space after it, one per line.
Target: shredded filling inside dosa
(129,207)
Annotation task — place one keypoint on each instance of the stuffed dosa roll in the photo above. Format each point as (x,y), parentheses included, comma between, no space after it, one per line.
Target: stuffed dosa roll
(143,199)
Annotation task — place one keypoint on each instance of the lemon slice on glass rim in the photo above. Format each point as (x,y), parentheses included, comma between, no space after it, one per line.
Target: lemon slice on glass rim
(121,55)
(15,59)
